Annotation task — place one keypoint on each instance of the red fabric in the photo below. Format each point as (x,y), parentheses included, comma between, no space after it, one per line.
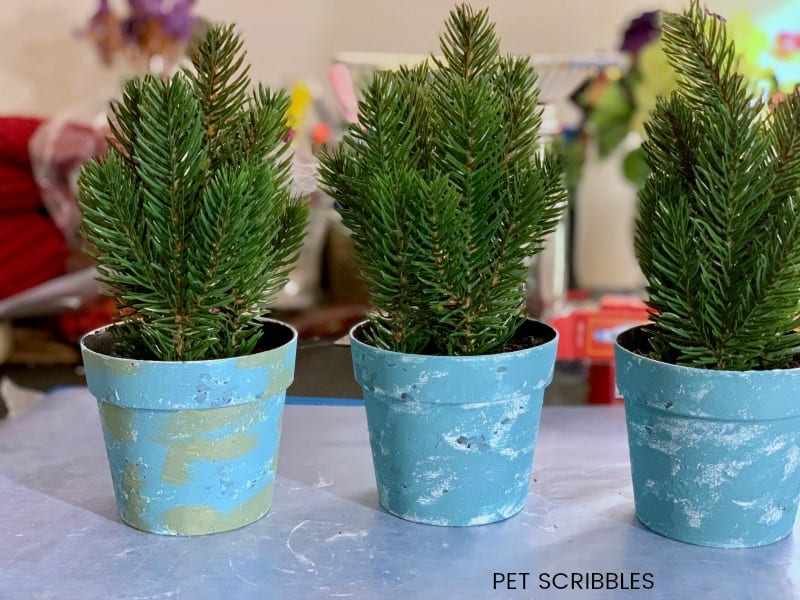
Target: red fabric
(15,132)
(32,251)
(18,190)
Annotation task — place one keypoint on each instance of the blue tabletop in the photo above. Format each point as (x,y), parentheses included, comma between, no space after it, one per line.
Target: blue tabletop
(326,537)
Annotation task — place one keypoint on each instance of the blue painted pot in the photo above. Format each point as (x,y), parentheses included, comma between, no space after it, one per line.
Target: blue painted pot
(453,437)
(715,455)
(192,446)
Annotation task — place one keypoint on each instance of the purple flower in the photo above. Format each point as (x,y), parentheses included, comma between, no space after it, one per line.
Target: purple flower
(102,8)
(641,31)
(180,22)
(150,27)
(146,7)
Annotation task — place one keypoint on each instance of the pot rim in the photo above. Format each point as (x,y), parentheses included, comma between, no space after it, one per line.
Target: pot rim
(553,340)
(695,370)
(109,357)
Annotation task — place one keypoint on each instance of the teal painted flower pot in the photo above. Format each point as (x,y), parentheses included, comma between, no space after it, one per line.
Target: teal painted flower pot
(192,446)
(453,437)
(715,455)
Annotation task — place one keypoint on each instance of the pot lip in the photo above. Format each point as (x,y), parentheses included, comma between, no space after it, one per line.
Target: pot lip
(108,357)
(694,370)
(472,357)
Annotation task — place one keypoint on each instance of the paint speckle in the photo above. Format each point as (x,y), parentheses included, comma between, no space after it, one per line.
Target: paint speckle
(473,442)
(714,475)
(510,453)
(743,504)
(322,483)
(694,518)
(771,515)
(437,492)
(435,474)
(778,443)
(346,534)
(482,519)
(792,462)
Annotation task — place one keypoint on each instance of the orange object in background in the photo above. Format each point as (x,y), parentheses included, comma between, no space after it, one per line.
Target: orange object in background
(588,333)
(97,313)
(321,133)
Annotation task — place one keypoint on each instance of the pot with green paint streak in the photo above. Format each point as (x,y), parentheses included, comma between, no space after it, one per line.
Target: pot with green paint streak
(192,446)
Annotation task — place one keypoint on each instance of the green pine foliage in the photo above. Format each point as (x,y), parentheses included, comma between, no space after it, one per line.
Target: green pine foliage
(718,235)
(190,216)
(446,191)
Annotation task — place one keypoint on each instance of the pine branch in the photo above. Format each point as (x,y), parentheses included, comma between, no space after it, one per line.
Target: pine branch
(670,257)
(784,140)
(110,203)
(468,44)
(126,115)
(377,208)
(718,235)
(168,149)
(771,306)
(442,189)
(517,83)
(191,214)
(474,161)
(395,285)
(672,140)
(221,82)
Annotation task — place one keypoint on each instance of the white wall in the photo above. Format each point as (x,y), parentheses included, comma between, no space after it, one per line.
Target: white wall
(45,68)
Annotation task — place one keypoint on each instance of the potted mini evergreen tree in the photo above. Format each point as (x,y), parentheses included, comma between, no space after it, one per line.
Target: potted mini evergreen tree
(711,384)
(195,229)
(447,191)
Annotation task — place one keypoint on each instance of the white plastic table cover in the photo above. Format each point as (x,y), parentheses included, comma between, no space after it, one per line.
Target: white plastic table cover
(326,537)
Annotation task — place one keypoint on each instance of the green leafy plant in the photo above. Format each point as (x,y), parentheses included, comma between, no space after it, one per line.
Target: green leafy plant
(190,215)
(447,192)
(718,235)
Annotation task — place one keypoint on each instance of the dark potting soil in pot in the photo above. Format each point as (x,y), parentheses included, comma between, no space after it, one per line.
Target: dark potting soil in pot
(637,340)
(273,335)
(528,335)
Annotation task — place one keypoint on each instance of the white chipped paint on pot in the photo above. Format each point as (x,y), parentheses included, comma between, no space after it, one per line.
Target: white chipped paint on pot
(453,438)
(192,446)
(715,455)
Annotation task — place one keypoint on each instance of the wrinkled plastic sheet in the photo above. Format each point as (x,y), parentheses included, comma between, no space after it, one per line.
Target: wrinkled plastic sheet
(326,537)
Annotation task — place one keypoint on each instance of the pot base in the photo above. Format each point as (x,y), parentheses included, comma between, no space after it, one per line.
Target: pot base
(446,521)
(703,540)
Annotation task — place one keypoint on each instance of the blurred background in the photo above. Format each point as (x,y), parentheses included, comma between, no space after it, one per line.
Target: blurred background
(44,66)
(600,69)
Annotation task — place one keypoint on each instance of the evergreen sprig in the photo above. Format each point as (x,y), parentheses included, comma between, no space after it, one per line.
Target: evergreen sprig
(718,234)
(191,216)
(447,192)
